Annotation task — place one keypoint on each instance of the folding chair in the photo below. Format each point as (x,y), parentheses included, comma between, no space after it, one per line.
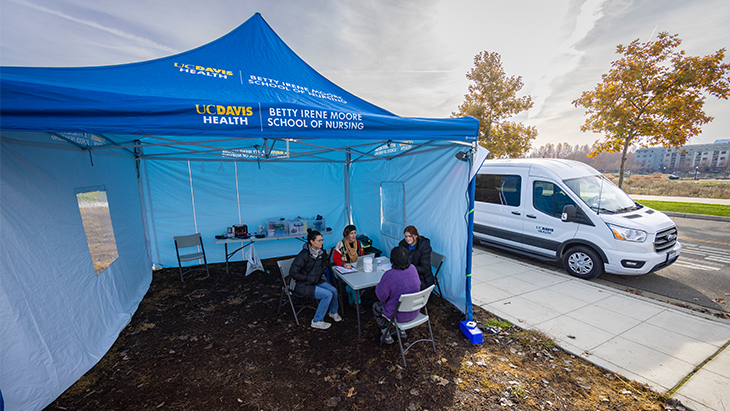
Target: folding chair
(185,241)
(284,267)
(335,280)
(407,303)
(436,261)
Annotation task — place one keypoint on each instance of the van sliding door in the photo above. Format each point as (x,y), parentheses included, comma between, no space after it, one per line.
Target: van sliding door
(499,206)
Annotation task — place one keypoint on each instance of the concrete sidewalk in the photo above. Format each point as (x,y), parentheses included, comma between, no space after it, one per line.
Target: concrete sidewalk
(642,339)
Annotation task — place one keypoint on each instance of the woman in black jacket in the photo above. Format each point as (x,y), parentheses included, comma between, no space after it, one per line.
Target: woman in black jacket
(419,254)
(307,273)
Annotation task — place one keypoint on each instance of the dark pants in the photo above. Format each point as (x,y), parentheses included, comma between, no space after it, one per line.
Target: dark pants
(379,317)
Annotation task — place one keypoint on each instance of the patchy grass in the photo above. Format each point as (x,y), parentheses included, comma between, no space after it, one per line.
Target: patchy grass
(532,338)
(689,208)
(498,323)
(713,183)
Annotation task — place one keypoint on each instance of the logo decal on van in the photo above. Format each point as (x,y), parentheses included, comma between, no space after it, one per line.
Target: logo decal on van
(544,230)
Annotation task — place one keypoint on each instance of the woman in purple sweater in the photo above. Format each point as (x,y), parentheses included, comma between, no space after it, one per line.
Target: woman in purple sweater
(401,279)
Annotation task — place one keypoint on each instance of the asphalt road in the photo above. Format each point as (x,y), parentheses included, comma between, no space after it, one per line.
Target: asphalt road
(700,276)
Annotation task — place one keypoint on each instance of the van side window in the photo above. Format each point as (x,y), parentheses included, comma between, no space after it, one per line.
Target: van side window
(549,198)
(498,189)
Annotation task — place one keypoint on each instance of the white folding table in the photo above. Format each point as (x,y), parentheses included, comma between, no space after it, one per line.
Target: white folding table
(253,239)
(361,280)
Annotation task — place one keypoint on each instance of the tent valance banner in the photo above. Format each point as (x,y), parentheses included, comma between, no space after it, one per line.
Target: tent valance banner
(248,83)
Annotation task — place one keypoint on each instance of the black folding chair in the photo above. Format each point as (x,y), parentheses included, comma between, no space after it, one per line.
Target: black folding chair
(437,261)
(284,267)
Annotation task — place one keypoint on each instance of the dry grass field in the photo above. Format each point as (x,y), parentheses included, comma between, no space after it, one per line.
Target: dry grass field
(661,185)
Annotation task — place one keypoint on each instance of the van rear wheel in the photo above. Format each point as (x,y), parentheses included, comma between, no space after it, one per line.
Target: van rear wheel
(582,262)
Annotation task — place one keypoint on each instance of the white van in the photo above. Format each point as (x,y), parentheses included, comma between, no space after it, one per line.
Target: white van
(567,211)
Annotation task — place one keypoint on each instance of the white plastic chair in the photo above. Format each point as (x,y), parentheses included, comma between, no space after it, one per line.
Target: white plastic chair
(408,303)
(185,241)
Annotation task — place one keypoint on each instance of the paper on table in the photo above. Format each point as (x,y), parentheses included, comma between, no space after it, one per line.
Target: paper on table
(343,270)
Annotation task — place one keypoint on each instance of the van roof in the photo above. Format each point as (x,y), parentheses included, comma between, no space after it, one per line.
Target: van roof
(563,169)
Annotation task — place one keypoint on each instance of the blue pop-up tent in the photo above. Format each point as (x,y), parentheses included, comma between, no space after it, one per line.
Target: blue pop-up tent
(240,130)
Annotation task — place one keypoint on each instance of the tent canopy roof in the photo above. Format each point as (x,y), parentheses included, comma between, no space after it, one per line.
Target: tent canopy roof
(239,93)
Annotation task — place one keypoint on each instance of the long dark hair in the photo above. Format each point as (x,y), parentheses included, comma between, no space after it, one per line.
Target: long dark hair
(312,234)
(399,258)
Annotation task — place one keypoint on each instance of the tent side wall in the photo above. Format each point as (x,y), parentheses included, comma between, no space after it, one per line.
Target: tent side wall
(59,317)
(435,185)
(185,197)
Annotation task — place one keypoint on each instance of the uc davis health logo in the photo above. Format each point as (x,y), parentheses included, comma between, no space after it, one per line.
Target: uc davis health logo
(217,114)
(203,71)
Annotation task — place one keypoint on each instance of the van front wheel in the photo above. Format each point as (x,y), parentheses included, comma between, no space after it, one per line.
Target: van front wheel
(582,262)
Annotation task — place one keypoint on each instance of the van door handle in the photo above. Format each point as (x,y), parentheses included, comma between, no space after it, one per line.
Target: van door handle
(515,213)
(531,216)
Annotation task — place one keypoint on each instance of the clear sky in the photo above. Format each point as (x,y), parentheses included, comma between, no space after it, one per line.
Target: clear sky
(409,57)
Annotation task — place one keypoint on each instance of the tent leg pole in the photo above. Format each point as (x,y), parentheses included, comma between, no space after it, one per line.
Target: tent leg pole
(469,243)
(348,204)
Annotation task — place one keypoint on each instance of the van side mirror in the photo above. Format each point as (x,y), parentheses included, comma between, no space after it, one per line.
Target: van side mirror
(569,213)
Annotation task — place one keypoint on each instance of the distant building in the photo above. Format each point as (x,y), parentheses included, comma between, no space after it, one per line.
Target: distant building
(649,159)
(703,157)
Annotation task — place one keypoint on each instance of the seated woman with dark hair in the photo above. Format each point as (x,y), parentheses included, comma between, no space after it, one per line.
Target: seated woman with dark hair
(307,271)
(348,249)
(346,253)
(419,254)
(401,279)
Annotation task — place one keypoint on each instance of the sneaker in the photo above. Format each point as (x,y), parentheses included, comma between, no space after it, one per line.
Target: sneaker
(402,334)
(386,338)
(321,325)
(336,317)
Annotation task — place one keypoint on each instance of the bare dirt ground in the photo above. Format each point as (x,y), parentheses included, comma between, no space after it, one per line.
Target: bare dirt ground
(217,343)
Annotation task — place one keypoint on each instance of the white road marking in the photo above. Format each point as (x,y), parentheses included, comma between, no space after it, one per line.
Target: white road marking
(696,266)
(714,254)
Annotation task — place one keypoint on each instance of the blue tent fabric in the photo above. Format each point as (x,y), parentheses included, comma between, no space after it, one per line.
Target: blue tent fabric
(57,316)
(247,83)
(240,130)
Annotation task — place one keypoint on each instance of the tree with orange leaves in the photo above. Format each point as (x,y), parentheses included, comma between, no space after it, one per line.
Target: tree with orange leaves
(653,95)
(492,99)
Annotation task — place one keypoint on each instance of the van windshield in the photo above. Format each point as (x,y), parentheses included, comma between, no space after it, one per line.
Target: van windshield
(601,195)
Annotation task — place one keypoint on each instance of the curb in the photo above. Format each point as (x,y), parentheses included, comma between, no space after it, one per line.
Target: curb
(698,216)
